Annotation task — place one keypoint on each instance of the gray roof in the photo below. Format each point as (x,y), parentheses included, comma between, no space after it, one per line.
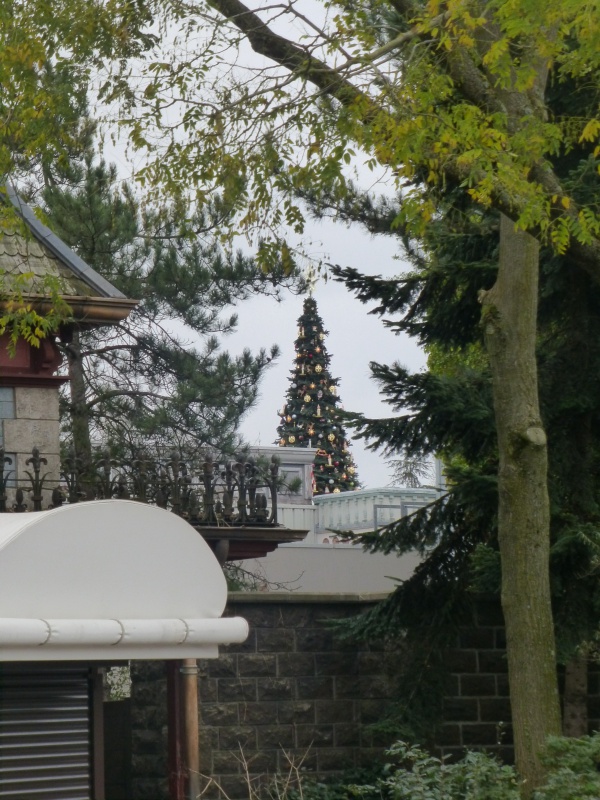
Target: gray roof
(43,253)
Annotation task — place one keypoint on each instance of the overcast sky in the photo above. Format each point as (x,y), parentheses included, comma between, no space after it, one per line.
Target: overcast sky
(355,338)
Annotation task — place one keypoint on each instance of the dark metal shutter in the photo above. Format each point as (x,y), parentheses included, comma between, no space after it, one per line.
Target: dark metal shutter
(45,732)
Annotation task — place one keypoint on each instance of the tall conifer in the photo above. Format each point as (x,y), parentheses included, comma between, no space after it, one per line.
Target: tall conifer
(310,416)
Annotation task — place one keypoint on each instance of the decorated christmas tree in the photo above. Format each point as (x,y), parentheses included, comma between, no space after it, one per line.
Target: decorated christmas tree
(310,416)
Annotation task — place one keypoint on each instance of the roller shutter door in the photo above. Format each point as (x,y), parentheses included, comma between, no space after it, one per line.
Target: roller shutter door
(45,732)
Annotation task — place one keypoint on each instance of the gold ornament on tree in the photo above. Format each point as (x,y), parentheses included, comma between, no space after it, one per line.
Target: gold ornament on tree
(291,439)
(307,398)
(331,437)
(318,368)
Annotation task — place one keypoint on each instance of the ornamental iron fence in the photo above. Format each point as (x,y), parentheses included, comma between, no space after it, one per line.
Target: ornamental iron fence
(208,492)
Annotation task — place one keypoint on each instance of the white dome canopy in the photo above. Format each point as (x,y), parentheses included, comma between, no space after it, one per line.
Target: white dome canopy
(109,579)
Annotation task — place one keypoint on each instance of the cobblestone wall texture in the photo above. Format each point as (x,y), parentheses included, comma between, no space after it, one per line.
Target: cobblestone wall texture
(295,692)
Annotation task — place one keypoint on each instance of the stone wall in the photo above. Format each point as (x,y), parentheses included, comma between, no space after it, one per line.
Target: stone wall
(295,692)
(476,709)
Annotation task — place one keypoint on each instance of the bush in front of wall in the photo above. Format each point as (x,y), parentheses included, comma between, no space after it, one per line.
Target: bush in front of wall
(413,774)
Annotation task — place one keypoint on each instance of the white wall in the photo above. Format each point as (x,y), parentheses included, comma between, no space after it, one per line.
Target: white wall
(326,568)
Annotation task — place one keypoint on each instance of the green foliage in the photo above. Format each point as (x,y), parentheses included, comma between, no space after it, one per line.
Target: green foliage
(311,416)
(47,54)
(160,376)
(32,308)
(573,769)
(411,773)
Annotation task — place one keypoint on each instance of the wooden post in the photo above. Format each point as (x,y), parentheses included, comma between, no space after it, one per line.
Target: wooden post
(191,739)
(176,769)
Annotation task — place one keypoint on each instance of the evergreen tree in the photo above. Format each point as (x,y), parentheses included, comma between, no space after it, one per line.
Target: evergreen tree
(159,378)
(310,417)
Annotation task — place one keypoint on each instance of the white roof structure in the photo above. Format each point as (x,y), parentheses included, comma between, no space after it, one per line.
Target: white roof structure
(109,580)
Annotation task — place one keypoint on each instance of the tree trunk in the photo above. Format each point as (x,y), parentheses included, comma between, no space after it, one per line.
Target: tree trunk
(80,418)
(509,319)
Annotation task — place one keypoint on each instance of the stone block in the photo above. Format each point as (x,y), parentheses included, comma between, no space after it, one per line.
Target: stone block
(295,664)
(449,734)
(36,402)
(148,670)
(477,638)
(149,764)
(149,693)
(257,665)
(314,735)
(336,711)
(147,742)
(220,714)
(369,663)
(277,640)
(235,690)
(296,616)
(373,687)
(207,690)
(148,789)
(460,710)
(314,640)
(275,736)
(502,687)
(148,717)
(347,734)
(22,435)
(236,737)
(482,734)
(338,664)
(274,689)
(264,713)
(495,710)
(223,667)
(460,660)
(492,661)
(296,759)
(226,762)
(261,762)
(452,685)
(500,641)
(209,737)
(247,646)
(258,615)
(296,712)
(477,685)
(314,688)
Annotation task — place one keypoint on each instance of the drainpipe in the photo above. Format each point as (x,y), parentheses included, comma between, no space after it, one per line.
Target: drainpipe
(191,740)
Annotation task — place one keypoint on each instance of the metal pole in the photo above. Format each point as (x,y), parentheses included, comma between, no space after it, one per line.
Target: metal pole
(176,768)
(191,739)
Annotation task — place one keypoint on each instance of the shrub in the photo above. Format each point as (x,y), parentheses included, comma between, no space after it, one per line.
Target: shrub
(413,774)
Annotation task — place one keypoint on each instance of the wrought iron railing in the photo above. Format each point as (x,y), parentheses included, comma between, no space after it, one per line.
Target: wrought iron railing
(238,492)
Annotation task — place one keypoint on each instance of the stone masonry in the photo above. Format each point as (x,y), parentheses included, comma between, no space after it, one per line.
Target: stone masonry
(294,692)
